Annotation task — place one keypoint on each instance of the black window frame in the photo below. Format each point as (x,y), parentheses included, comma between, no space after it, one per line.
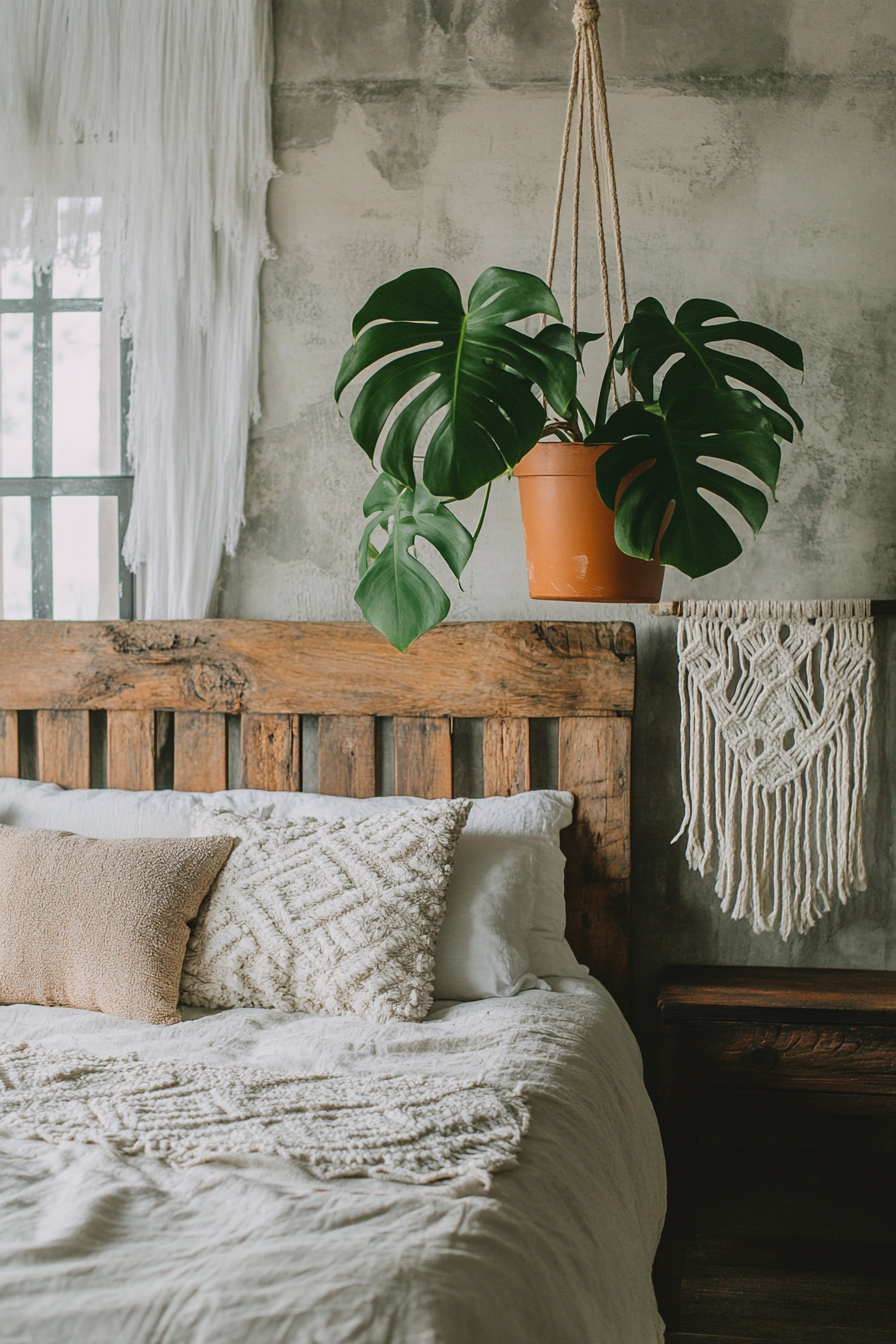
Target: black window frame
(42,486)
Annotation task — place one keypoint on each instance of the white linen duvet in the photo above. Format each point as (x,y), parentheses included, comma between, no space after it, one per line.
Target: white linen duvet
(97,1248)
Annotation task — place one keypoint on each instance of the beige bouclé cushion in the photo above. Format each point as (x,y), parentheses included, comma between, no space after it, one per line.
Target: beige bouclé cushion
(100,924)
(335,916)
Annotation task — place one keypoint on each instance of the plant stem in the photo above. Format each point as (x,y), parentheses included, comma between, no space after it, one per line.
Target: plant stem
(488,491)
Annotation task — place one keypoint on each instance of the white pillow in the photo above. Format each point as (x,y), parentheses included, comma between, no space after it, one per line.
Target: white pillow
(506,914)
(333,916)
(105,814)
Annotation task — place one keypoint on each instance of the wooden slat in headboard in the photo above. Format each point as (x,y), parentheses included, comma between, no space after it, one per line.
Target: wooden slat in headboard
(9,743)
(200,752)
(63,747)
(271,752)
(271,673)
(130,749)
(346,755)
(505,756)
(594,764)
(423,757)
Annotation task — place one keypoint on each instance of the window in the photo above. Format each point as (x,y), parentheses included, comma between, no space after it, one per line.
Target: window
(65,494)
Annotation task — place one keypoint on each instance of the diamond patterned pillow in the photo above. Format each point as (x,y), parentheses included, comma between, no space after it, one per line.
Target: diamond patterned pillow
(335,917)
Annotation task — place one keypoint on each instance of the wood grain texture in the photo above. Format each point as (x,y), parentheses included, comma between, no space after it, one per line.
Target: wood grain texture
(786,1101)
(783,1055)
(594,759)
(688,1337)
(9,744)
(423,757)
(686,990)
(784,1334)
(63,747)
(799,1293)
(346,762)
(271,747)
(505,756)
(200,752)
(477,669)
(814,1255)
(130,749)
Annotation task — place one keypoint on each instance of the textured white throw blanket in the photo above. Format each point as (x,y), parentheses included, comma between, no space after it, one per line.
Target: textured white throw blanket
(393,1126)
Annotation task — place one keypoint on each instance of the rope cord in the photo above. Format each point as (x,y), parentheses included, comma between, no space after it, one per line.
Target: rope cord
(564,155)
(576,197)
(587,82)
(599,215)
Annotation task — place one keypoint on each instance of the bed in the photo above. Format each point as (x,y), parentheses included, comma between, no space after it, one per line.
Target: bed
(98,1246)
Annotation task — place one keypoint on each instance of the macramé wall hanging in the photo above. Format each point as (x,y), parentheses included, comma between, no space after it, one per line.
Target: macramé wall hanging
(775,713)
(161,110)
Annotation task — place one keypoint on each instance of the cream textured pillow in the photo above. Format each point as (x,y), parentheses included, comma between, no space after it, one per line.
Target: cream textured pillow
(335,917)
(100,924)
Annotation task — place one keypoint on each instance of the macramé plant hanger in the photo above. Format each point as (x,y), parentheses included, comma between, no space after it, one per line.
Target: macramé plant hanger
(588,86)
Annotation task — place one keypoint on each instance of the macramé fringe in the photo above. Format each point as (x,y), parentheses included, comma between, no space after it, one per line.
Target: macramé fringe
(776,704)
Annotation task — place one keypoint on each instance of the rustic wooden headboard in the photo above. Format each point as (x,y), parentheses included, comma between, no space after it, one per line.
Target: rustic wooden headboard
(102,689)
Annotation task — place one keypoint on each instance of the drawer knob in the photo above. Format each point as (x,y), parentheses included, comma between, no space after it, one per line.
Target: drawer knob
(762,1058)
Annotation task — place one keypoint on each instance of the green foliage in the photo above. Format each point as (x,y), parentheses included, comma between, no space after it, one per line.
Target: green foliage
(689,422)
(476,388)
(468,377)
(397,594)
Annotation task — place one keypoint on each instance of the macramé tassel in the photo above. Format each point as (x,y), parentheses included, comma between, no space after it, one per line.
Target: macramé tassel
(775,715)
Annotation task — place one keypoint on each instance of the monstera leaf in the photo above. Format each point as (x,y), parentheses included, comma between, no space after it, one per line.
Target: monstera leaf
(705,407)
(467,369)
(651,338)
(675,436)
(397,594)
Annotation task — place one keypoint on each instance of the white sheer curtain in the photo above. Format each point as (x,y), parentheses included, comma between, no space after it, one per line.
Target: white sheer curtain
(160,107)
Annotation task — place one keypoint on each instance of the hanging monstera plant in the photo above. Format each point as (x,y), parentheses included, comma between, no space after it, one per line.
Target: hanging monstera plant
(463,391)
(460,387)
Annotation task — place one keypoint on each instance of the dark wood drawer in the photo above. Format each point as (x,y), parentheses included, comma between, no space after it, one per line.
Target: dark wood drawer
(780,1056)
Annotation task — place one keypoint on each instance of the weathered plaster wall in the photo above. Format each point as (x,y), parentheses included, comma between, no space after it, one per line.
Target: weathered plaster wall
(757,152)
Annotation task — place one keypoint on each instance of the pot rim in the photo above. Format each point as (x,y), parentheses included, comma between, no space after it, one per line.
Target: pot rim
(553,457)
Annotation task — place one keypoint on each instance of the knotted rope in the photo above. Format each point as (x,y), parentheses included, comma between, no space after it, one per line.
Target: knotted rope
(587,84)
(775,715)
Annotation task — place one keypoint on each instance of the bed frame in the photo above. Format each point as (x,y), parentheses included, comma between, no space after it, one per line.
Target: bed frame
(106,694)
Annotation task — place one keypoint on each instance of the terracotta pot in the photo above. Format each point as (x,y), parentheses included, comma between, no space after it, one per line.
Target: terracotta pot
(572,555)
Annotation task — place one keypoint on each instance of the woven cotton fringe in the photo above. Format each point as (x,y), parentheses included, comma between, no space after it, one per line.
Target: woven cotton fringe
(775,714)
(160,108)
(397,1127)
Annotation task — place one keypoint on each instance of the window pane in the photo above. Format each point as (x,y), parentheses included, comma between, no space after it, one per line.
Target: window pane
(16,280)
(108,606)
(79,219)
(76,559)
(16,334)
(76,394)
(15,520)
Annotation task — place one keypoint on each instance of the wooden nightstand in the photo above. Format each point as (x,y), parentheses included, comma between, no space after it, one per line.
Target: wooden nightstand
(778,1107)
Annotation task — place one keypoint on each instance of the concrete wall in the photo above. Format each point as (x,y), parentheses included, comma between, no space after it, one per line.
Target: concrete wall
(756,144)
